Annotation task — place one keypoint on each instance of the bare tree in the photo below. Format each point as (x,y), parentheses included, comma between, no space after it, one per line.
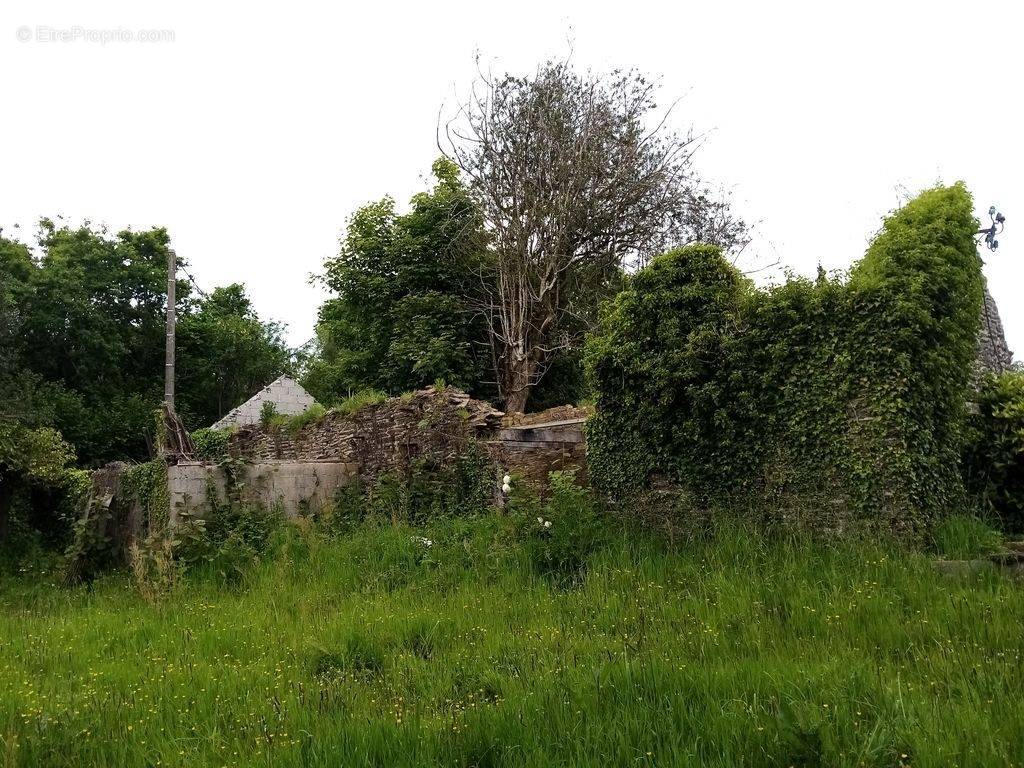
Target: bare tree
(576,180)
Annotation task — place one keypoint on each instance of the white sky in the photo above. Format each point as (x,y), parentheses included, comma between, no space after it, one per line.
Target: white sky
(256,132)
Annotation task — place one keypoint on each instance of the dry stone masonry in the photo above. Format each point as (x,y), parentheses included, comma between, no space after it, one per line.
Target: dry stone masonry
(993,356)
(300,472)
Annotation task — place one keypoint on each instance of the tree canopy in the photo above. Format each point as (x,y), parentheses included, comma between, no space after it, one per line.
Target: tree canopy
(225,354)
(576,177)
(403,314)
(90,313)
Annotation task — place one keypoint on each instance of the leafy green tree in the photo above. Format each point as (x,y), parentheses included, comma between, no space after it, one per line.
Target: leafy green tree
(34,459)
(404,314)
(91,313)
(225,354)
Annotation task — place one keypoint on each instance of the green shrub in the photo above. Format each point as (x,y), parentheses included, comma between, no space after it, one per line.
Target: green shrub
(40,493)
(995,451)
(228,541)
(269,416)
(211,444)
(562,532)
(827,401)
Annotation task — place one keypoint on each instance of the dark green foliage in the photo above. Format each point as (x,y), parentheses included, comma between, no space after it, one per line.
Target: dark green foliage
(564,383)
(995,451)
(92,329)
(90,314)
(814,399)
(562,532)
(40,492)
(211,444)
(402,316)
(228,541)
(424,490)
(225,355)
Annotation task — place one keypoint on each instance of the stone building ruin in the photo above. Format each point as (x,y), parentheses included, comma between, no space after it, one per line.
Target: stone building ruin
(993,354)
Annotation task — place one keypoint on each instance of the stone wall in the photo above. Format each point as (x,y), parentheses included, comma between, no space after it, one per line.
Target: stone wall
(993,355)
(533,445)
(432,427)
(556,414)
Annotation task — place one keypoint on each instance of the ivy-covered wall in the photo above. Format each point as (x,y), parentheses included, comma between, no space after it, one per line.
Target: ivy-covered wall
(826,400)
(994,456)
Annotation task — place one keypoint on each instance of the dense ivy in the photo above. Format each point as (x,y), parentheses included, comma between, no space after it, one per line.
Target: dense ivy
(817,398)
(211,444)
(995,450)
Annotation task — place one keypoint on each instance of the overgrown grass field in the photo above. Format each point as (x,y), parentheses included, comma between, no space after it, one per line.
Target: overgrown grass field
(375,647)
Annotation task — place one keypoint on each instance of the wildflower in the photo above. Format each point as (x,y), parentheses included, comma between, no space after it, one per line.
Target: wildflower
(547,523)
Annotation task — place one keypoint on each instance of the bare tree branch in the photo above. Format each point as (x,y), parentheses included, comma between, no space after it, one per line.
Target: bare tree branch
(578,178)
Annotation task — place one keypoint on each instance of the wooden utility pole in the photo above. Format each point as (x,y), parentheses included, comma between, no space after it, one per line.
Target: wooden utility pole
(172,266)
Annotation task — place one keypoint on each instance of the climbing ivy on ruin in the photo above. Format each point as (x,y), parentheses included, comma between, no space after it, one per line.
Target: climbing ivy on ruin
(994,458)
(816,399)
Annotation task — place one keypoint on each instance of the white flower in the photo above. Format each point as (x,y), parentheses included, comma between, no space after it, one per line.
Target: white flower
(540,520)
(424,541)
(547,523)
(506,488)
(506,479)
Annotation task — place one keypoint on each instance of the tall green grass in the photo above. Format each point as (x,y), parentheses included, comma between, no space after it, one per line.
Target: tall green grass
(374,648)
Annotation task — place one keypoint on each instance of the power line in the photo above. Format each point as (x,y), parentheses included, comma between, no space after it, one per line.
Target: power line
(192,280)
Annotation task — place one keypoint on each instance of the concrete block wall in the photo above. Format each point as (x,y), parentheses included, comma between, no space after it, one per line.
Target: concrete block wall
(297,487)
(287,395)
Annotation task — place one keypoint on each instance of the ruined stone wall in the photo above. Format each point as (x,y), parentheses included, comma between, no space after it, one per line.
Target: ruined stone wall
(993,355)
(556,414)
(535,444)
(300,472)
(433,425)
